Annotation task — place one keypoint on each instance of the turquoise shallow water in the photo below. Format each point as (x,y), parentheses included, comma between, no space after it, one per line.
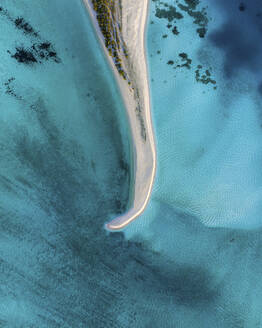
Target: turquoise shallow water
(205,210)
(63,146)
(207,113)
(193,259)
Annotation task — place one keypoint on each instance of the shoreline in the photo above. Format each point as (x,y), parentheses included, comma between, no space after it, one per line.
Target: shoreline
(136,96)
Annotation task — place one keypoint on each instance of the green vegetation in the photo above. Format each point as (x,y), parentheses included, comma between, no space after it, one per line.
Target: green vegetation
(111,29)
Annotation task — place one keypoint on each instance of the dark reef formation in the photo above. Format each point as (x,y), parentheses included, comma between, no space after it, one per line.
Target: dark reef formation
(186,61)
(199,16)
(19,22)
(9,88)
(35,54)
(25,26)
(174,12)
(205,77)
(170,13)
(40,49)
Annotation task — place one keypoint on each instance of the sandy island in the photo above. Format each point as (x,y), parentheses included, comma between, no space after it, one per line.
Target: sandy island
(121,26)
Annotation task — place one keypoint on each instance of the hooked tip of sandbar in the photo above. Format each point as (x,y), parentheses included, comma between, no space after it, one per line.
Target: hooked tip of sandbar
(109,227)
(115,225)
(122,221)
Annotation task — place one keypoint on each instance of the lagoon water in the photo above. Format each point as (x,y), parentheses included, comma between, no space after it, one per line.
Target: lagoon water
(208,112)
(193,259)
(205,210)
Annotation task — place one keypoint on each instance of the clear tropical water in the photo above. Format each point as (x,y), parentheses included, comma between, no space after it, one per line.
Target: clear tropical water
(62,150)
(205,211)
(193,258)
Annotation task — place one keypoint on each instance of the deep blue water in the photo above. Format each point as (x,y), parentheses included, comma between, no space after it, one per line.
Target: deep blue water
(193,259)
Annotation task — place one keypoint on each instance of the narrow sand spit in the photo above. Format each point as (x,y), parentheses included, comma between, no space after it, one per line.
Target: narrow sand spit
(121,25)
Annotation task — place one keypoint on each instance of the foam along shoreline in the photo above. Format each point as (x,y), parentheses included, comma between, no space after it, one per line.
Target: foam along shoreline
(124,45)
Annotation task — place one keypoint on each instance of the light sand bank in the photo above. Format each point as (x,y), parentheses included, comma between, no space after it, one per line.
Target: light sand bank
(132,77)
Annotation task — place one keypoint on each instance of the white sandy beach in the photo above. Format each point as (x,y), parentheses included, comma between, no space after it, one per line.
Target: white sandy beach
(136,97)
